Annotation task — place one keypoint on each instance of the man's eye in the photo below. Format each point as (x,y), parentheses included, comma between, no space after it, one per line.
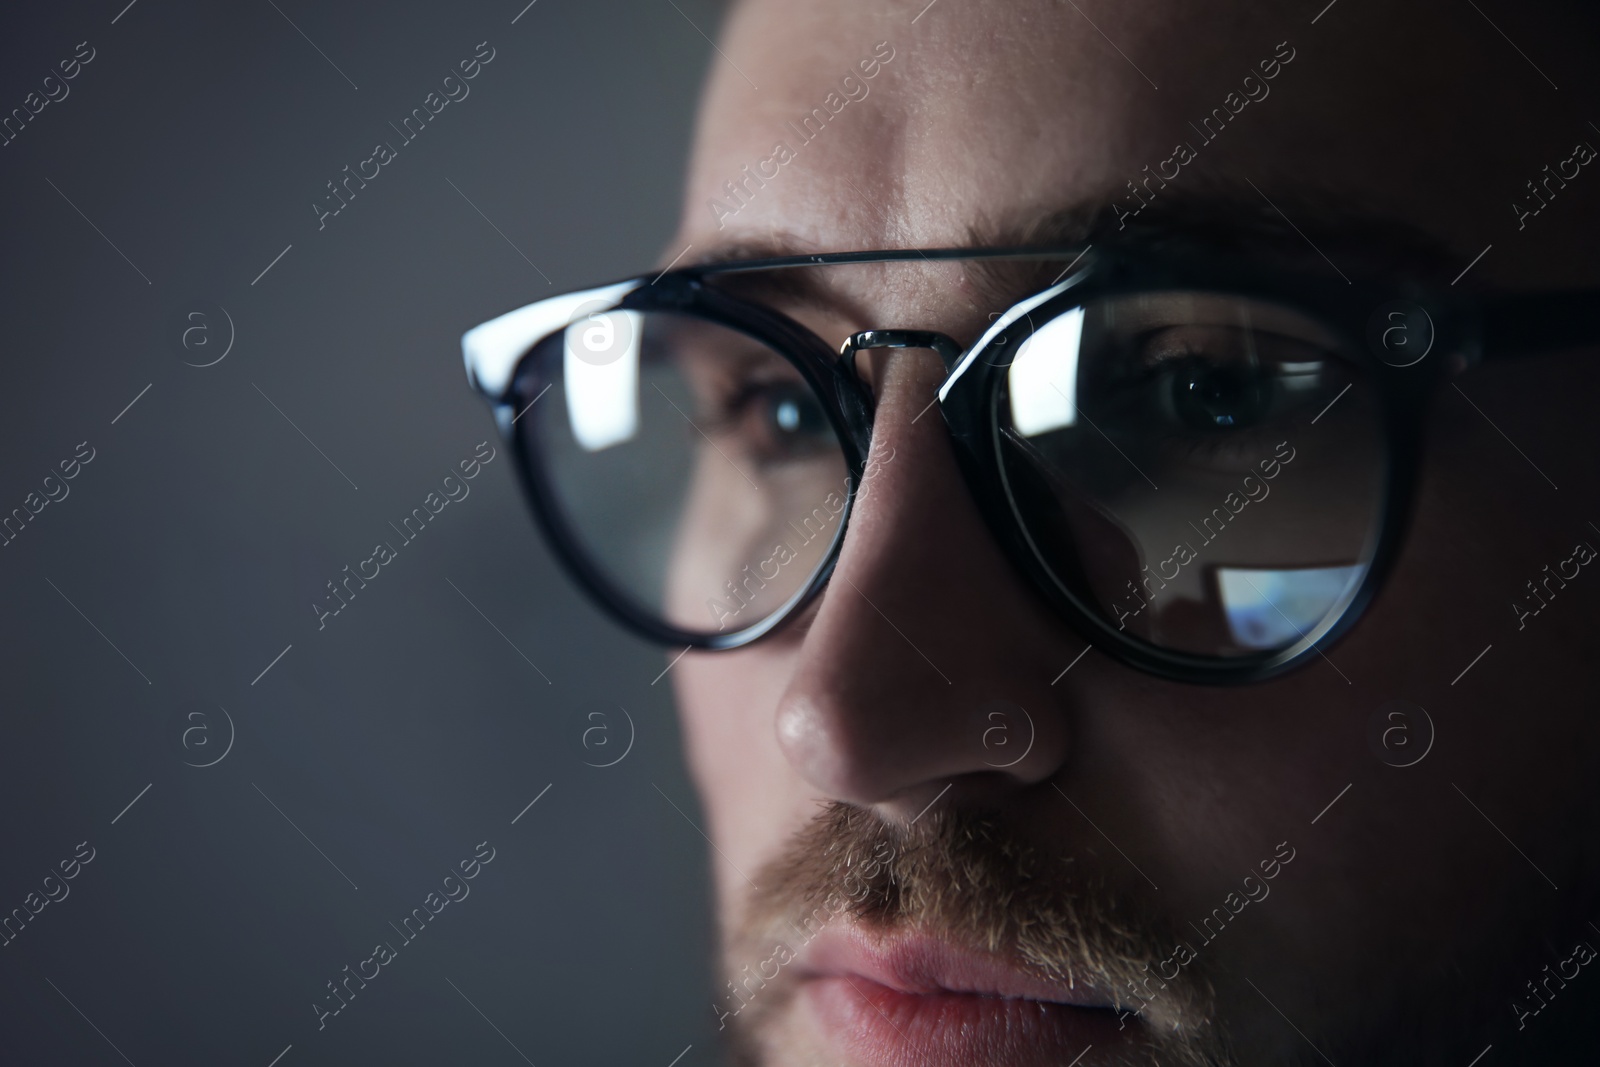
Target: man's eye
(775,422)
(791,417)
(1208,381)
(794,414)
(1208,396)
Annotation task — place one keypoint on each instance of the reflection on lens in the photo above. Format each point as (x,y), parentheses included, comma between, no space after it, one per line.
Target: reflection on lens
(691,464)
(1272,609)
(1203,469)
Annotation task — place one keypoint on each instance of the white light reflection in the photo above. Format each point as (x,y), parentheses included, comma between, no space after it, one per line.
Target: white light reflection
(600,364)
(1043,378)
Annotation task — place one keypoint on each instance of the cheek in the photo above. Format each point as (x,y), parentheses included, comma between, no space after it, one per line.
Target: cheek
(751,797)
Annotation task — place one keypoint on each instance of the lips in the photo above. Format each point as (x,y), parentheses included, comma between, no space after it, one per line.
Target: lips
(907,998)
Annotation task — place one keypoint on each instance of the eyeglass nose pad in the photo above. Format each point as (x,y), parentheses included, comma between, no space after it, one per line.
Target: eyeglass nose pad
(949,351)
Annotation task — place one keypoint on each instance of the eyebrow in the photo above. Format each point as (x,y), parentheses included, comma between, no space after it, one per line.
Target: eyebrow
(1309,228)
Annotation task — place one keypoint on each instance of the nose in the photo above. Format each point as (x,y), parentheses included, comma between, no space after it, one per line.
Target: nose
(926,668)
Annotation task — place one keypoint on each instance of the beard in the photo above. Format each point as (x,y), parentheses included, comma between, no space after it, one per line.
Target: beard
(958,876)
(961,877)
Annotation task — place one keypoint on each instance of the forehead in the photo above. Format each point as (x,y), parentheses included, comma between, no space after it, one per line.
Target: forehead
(861,124)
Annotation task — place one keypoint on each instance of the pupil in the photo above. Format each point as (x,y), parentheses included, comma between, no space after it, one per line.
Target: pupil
(1220,397)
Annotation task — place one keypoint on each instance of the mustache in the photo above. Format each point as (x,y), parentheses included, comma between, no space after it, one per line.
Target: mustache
(962,876)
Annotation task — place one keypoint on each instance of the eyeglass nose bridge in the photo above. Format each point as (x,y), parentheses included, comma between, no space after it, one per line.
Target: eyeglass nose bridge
(947,348)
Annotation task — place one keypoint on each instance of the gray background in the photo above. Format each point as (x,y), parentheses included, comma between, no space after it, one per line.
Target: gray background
(188,553)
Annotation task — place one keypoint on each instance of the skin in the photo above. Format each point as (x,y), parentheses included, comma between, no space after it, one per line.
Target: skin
(1403,900)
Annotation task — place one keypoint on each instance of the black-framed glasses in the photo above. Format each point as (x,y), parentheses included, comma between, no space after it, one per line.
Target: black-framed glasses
(1203,463)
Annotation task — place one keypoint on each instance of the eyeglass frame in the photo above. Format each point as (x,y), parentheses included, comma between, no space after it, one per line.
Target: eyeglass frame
(1471,328)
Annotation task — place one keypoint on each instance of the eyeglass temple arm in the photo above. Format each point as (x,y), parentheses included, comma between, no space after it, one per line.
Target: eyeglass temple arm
(1536,323)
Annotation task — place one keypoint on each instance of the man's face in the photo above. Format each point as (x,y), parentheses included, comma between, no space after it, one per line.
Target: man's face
(942,835)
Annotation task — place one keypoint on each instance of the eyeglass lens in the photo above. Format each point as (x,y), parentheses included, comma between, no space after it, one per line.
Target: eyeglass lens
(1205,470)
(696,467)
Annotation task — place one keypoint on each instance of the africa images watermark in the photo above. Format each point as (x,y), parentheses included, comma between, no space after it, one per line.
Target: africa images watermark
(1214,923)
(811,526)
(455,89)
(12,525)
(1210,529)
(857,886)
(851,88)
(455,489)
(1210,128)
(1552,983)
(1582,554)
(597,734)
(385,953)
(1582,153)
(12,925)
(55,89)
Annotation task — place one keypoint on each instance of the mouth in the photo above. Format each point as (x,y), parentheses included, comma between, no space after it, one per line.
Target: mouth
(908,998)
